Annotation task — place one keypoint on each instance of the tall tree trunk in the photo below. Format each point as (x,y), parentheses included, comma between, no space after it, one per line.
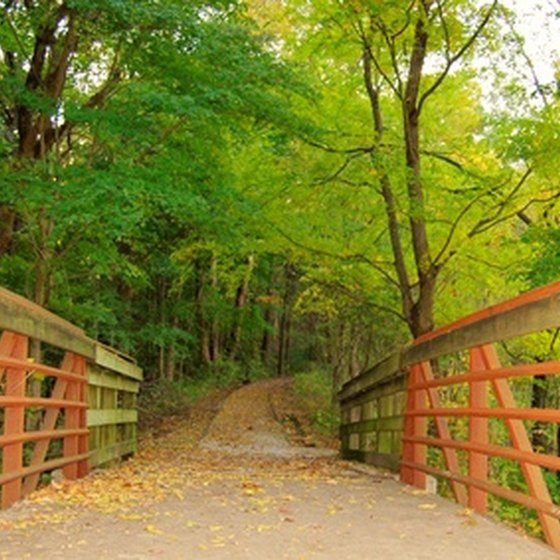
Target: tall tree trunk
(214,335)
(418,311)
(203,327)
(285,320)
(7,226)
(267,337)
(241,298)
(422,320)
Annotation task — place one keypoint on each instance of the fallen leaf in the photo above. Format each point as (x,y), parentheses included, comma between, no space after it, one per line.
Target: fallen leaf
(153,530)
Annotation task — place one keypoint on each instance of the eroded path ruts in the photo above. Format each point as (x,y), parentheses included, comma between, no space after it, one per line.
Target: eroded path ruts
(247,485)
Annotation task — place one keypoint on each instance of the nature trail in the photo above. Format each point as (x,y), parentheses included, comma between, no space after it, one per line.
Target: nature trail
(243,478)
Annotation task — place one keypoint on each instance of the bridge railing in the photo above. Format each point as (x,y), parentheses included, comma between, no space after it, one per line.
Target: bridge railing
(85,413)
(446,407)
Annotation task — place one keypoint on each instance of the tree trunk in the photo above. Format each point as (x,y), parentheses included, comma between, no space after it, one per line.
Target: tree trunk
(241,298)
(285,321)
(7,226)
(203,327)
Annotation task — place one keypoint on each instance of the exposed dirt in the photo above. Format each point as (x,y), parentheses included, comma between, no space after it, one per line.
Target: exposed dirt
(253,483)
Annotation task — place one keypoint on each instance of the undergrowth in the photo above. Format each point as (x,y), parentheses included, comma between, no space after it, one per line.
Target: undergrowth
(313,390)
(162,398)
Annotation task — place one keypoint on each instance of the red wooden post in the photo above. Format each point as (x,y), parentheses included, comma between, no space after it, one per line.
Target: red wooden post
(75,418)
(415,426)
(14,422)
(478,432)
(520,441)
(83,440)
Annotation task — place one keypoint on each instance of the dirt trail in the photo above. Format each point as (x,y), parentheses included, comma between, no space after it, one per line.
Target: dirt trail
(248,485)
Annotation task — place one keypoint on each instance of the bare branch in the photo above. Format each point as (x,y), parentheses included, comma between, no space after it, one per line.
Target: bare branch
(325,148)
(515,213)
(454,58)
(487,223)
(453,230)
(378,266)
(349,293)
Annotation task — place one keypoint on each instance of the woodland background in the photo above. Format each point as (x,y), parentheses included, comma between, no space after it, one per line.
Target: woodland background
(233,189)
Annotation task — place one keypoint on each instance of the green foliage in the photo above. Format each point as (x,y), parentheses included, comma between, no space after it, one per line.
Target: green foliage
(313,389)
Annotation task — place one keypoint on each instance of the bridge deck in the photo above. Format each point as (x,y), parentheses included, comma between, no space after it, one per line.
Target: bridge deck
(246,493)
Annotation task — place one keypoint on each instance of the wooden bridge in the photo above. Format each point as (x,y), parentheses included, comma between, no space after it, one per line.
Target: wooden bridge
(87,419)
(438,410)
(403,409)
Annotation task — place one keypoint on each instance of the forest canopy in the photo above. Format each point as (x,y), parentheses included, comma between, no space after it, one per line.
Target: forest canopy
(276,184)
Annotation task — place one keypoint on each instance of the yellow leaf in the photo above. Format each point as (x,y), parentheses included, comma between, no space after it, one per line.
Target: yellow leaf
(131,516)
(152,529)
(427,506)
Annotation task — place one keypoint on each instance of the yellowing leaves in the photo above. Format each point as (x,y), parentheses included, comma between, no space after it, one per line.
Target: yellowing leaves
(427,506)
(153,530)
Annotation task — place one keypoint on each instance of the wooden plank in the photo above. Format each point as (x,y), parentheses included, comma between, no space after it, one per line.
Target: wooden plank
(102,378)
(38,436)
(414,452)
(548,461)
(478,433)
(83,439)
(110,416)
(40,402)
(110,453)
(48,424)
(382,372)
(519,370)
(109,358)
(47,371)
(14,418)
(47,466)
(19,315)
(520,440)
(530,502)
(442,427)
(390,423)
(543,414)
(489,326)
(70,444)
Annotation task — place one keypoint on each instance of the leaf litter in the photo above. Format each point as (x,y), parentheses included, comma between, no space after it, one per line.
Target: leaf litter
(166,466)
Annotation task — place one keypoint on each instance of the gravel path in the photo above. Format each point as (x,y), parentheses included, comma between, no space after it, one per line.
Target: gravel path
(246,492)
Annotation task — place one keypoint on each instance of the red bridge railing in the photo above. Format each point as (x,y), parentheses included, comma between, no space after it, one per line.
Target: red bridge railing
(447,407)
(44,408)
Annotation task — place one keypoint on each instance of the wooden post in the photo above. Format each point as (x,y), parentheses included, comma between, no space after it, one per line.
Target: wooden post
(442,427)
(478,432)
(415,426)
(75,418)
(520,440)
(14,418)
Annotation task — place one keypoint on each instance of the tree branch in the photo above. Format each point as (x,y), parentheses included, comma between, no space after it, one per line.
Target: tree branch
(454,58)
(352,258)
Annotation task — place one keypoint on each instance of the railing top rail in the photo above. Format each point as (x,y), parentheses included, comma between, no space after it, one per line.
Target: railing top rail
(527,298)
(22,316)
(12,299)
(530,312)
(527,313)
